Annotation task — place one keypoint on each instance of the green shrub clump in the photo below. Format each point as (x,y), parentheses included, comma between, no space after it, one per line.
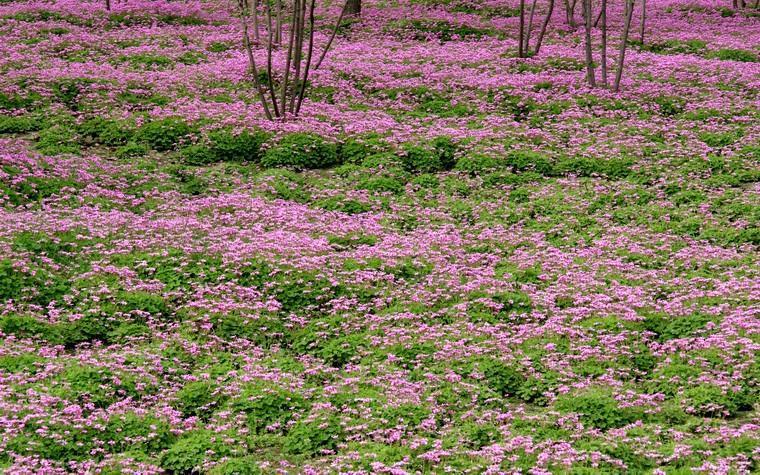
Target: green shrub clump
(597,408)
(18,124)
(437,155)
(301,151)
(225,146)
(189,453)
(198,399)
(164,134)
(105,132)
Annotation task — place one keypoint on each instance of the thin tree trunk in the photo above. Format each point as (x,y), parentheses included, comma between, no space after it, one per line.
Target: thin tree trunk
(544,26)
(108,5)
(298,54)
(526,48)
(354,8)
(521,35)
(590,76)
(623,44)
(643,24)
(286,75)
(270,72)
(308,57)
(570,12)
(332,36)
(604,42)
(252,61)
(278,24)
(256,38)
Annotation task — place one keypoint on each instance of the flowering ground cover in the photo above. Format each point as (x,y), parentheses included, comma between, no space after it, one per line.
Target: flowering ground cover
(455,260)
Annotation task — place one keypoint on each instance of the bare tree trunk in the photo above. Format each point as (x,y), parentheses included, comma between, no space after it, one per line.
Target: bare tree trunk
(544,25)
(354,8)
(291,40)
(570,12)
(270,72)
(590,76)
(278,24)
(251,60)
(623,44)
(604,42)
(643,24)
(108,5)
(332,36)
(308,57)
(526,47)
(521,35)
(298,53)
(256,38)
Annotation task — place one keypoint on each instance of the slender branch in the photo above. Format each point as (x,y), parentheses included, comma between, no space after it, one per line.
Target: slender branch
(526,47)
(270,73)
(604,42)
(544,26)
(308,57)
(251,60)
(521,35)
(590,76)
(283,91)
(643,24)
(298,53)
(332,36)
(623,44)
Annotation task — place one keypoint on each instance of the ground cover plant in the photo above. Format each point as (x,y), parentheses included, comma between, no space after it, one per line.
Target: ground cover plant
(459,256)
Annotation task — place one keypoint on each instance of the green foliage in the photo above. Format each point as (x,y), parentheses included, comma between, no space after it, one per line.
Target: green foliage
(146,433)
(198,399)
(265,406)
(59,247)
(348,206)
(669,328)
(719,139)
(300,291)
(68,91)
(105,132)
(188,454)
(25,362)
(733,54)
(309,438)
(39,287)
(477,436)
(238,466)
(242,147)
(675,46)
(198,154)
(18,124)
(301,151)
(56,140)
(478,164)
(422,30)
(131,150)
(597,408)
(16,102)
(513,302)
(97,385)
(710,400)
(670,106)
(502,378)
(435,156)
(527,160)
(24,326)
(164,134)
(356,149)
